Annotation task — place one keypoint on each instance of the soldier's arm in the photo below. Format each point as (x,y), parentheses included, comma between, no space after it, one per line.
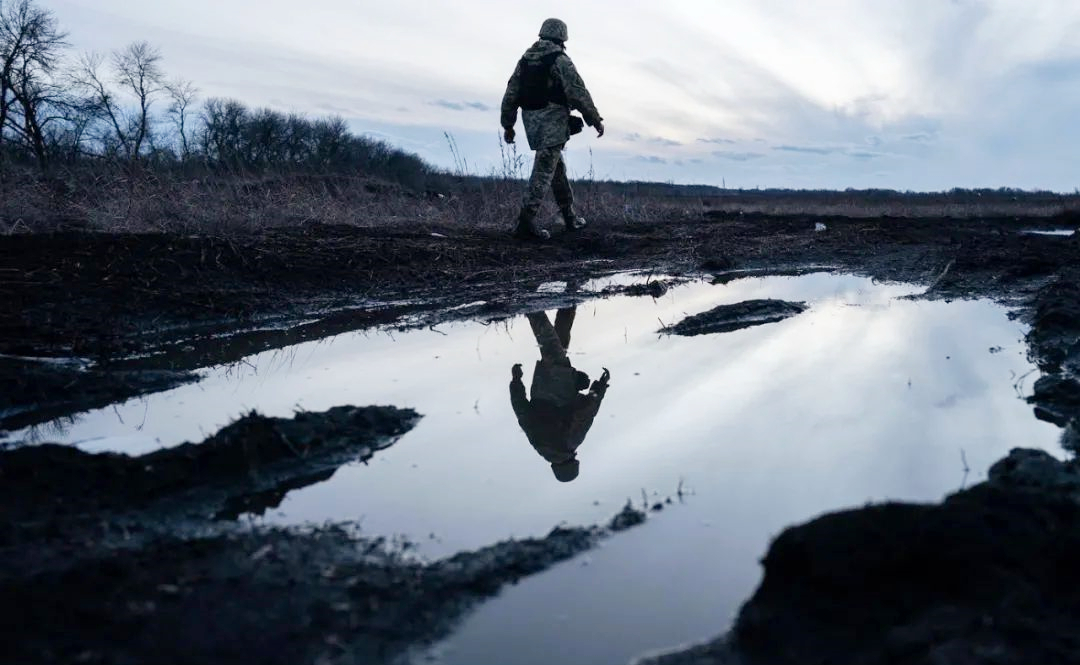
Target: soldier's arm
(576,93)
(511,98)
(518,400)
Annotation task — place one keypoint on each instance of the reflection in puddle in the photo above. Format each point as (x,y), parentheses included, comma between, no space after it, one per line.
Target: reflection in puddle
(863,397)
(558,416)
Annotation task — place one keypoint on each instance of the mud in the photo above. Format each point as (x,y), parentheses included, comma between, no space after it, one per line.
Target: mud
(987,576)
(53,495)
(177,303)
(268,596)
(39,390)
(114,559)
(729,318)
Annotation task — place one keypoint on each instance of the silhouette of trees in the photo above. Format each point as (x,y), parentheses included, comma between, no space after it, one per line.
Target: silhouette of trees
(30,100)
(123,109)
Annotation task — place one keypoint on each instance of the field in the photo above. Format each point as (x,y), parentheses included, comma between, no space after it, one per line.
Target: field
(146,282)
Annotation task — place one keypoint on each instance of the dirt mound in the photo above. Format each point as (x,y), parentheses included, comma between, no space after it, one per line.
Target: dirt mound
(248,464)
(728,318)
(987,576)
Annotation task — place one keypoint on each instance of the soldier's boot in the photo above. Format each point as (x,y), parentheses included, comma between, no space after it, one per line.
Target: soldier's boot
(574,222)
(526,228)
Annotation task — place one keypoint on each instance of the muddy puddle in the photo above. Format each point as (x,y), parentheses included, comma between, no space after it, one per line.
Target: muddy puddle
(860,395)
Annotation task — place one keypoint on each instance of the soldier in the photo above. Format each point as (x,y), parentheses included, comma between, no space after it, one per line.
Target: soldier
(558,416)
(546,86)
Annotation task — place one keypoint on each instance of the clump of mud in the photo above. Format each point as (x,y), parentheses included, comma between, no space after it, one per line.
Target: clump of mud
(989,575)
(728,318)
(255,454)
(652,288)
(1054,345)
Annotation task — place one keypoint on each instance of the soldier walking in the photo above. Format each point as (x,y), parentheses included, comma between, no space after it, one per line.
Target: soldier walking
(546,86)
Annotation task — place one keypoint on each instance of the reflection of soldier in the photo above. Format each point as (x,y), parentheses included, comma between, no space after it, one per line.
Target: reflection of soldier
(546,86)
(559,416)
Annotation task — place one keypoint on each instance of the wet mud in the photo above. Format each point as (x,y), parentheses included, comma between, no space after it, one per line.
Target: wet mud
(178,303)
(53,495)
(117,559)
(40,390)
(729,318)
(988,575)
(263,596)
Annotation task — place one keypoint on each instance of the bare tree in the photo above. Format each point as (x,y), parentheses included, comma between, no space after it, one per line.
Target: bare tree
(138,70)
(30,46)
(182,95)
(89,79)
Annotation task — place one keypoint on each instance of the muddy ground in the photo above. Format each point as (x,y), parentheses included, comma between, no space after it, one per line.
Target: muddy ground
(115,559)
(141,311)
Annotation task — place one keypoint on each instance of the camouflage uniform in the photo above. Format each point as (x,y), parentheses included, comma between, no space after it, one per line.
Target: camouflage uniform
(558,417)
(548,128)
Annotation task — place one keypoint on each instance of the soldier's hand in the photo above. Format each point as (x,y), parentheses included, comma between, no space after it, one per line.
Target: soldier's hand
(605,376)
(599,129)
(508,134)
(516,372)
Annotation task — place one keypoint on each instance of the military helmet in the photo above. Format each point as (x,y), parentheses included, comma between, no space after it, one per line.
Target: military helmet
(566,471)
(553,29)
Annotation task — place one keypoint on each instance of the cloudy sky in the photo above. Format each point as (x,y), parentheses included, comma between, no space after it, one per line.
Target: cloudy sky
(919,94)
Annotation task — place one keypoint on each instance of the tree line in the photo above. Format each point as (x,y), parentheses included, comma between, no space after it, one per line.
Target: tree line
(60,108)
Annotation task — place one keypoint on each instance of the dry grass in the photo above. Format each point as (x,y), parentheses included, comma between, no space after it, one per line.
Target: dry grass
(230,204)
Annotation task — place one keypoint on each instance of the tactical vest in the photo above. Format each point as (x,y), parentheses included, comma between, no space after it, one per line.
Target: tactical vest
(538,89)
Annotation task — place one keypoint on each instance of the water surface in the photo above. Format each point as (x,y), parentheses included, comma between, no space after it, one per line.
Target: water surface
(865,397)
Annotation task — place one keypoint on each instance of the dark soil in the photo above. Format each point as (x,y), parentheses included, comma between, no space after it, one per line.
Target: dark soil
(114,559)
(184,302)
(729,318)
(268,597)
(52,495)
(988,576)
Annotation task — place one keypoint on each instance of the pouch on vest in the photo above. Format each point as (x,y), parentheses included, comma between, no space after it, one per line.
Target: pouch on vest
(576,124)
(537,89)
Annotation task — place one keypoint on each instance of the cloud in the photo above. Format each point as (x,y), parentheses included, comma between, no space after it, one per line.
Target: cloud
(650,159)
(993,81)
(808,149)
(461,106)
(634,137)
(737,156)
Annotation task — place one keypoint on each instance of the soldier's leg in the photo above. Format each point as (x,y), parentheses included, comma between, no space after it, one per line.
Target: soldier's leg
(564,320)
(544,163)
(564,196)
(551,349)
